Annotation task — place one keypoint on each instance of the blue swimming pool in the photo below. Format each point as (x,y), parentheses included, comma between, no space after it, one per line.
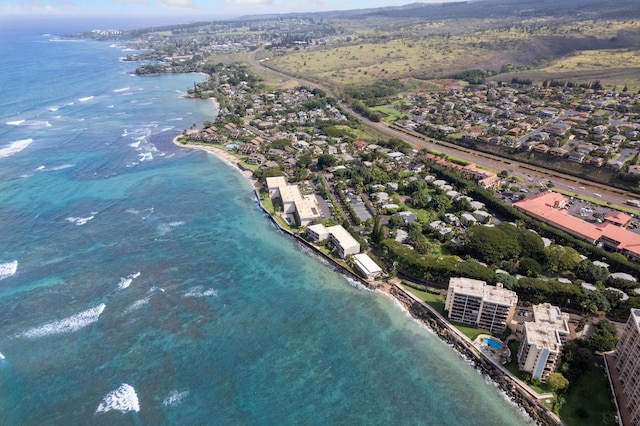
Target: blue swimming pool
(492,342)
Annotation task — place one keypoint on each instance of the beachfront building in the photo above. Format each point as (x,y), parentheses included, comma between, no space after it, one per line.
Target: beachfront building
(628,364)
(476,303)
(299,209)
(366,267)
(317,232)
(541,346)
(338,236)
(343,241)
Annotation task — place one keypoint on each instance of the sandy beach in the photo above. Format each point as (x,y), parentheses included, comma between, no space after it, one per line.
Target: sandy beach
(223,155)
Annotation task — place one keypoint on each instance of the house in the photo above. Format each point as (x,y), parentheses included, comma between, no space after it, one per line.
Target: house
(255,158)
(577,157)
(596,161)
(482,216)
(468,219)
(407,216)
(541,148)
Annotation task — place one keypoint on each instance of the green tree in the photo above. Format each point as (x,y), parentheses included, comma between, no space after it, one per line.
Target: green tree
(326,161)
(561,258)
(490,244)
(587,271)
(604,338)
(304,161)
(529,267)
(557,381)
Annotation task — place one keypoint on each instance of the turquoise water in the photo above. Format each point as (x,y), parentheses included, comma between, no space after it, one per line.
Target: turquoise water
(140,283)
(492,342)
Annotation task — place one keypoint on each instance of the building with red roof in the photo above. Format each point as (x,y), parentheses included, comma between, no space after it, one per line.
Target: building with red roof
(549,207)
(618,218)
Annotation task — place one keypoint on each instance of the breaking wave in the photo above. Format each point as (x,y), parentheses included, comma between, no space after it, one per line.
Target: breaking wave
(67,325)
(174,398)
(126,282)
(15,147)
(123,399)
(8,269)
(199,291)
(79,220)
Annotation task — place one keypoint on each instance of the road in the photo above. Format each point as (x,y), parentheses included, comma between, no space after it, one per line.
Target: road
(581,187)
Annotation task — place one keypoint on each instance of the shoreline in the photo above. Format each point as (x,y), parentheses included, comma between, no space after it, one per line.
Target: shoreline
(425,315)
(224,156)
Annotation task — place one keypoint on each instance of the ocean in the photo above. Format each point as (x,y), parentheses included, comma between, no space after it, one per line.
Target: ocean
(141,284)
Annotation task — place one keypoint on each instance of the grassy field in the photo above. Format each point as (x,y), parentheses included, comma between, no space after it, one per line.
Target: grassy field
(382,48)
(589,401)
(390,113)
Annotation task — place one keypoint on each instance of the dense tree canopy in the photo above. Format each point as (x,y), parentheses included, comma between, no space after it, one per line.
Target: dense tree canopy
(604,338)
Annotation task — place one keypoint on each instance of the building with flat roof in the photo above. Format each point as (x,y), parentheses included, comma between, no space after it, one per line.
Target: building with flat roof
(541,346)
(549,207)
(343,241)
(476,303)
(317,232)
(628,364)
(366,267)
(303,209)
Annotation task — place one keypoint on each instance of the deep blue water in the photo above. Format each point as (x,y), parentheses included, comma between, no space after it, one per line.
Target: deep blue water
(128,264)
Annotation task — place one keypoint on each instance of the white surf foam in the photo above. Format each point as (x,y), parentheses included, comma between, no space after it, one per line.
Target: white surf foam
(79,220)
(40,168)
(1,356)
(174,397)
(123,399)
(15,122)
(145,156)
(53,108)
(66,325)
(136,305)
(199,291)
(124,89)
(85,99)
(165,228)
(126,282)
(15,147)
(135,144)
(61,167)
(8,269)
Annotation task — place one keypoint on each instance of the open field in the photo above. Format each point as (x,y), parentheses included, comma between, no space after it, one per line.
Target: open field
(537,47)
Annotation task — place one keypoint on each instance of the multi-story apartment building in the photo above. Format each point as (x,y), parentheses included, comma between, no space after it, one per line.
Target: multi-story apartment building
(541,346)
(628,364)
(477,303)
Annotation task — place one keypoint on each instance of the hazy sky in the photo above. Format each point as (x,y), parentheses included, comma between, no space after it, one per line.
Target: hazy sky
(202,9)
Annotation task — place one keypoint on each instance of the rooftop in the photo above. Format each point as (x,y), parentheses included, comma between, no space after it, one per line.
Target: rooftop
(542,335)
(493,294)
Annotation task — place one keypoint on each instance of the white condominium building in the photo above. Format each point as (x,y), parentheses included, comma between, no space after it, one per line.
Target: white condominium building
(541,346)
(477,303)
(342,240)
(628,364)
(303,209)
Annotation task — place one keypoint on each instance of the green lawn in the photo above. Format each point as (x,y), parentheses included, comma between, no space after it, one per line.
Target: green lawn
(469,331)
(434,300)
(391,114)
(589,402)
